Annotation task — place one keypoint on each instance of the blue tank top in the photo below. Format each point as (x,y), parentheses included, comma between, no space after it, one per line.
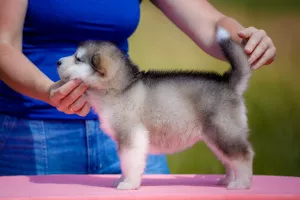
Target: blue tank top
(53,29)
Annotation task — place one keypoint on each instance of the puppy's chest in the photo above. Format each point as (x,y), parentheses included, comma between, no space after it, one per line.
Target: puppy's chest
(106,111)
(108,120)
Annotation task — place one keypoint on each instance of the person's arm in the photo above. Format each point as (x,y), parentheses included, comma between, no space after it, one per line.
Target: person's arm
(22,75)
(15,69)
(198,19)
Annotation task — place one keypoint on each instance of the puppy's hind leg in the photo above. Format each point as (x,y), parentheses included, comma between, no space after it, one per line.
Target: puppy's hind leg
(133,148)
(229,175)
(228,140)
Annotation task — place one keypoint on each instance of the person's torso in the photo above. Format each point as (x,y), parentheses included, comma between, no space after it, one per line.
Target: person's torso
(53,29)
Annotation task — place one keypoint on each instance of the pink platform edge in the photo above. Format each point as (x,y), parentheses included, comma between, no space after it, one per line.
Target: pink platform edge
(165,187)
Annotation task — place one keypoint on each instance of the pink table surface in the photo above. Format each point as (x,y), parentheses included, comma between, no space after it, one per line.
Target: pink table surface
(166,187)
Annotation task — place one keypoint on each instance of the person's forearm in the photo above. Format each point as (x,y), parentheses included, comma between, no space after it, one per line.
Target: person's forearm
(21,75)
(198,20)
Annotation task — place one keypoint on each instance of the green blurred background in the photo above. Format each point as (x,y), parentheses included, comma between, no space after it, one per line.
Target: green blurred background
(273,95)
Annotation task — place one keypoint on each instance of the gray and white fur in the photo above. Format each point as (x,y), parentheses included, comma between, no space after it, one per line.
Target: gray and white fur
(165,112)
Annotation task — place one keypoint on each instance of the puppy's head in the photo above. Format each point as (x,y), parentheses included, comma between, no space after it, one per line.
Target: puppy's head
(96,63)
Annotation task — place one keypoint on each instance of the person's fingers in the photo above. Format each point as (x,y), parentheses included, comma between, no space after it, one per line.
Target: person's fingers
(57,94)
(271,60)
(85,110)
(254,40)
(269,54)
(258,46)
(78,104)
(247,32)
(68,111)
(259,50)
(72,97)
(272,52)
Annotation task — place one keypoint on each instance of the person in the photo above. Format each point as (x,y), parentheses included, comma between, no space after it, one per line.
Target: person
(48,128)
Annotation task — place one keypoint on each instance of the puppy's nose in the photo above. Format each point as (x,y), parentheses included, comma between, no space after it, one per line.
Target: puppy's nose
(58,63)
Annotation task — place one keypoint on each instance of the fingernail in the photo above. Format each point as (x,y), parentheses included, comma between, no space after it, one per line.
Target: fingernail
(248,50)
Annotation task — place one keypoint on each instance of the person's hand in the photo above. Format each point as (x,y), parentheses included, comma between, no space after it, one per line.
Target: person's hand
(258,46)
(69,97)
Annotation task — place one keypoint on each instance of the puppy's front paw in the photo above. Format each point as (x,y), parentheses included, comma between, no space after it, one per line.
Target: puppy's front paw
(239,185)
(128,185)
(118,181)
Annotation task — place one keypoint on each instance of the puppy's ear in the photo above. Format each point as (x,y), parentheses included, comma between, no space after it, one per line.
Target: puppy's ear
(100,63)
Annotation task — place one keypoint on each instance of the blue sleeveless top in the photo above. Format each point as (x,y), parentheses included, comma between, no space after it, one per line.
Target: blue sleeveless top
(53,29)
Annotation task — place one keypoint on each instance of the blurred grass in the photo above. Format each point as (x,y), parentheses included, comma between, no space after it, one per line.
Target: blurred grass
(273,95)
(262,5)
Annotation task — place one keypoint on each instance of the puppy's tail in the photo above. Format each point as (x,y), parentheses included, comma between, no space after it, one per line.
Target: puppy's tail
(240,71)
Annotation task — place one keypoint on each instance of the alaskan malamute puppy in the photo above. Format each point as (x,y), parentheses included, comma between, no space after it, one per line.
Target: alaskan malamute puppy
(164,112)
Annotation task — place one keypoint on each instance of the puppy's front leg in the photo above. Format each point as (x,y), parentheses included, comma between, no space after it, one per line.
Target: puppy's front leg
(133,148)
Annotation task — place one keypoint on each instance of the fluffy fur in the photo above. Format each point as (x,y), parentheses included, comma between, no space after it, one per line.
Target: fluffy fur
(164,112)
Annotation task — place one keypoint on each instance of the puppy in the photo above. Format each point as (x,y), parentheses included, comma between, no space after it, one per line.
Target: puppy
(164,112)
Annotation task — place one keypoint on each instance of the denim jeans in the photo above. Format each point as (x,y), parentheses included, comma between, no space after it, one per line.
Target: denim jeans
(35,147)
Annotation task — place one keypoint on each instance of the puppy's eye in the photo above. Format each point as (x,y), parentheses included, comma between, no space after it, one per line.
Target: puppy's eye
(78,59)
